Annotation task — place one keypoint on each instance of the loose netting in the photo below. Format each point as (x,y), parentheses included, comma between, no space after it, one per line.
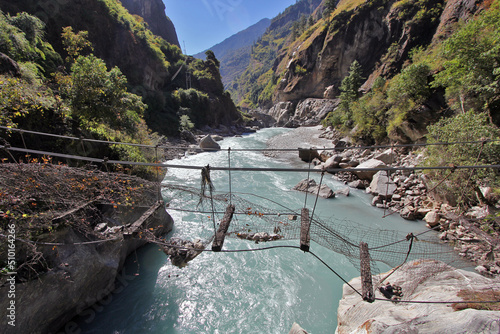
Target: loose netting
(273,221)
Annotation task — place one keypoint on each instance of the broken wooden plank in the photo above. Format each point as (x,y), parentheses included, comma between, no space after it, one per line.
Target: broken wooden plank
(305,236)
(138,223)
(223,227)
(366,273)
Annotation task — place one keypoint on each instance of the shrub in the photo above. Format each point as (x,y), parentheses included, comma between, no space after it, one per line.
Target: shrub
(462,185)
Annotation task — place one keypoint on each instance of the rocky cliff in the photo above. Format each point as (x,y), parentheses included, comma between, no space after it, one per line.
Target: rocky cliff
(153,12)
(378,34)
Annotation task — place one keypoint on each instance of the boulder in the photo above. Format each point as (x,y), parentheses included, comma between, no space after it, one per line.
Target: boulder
(388,156)
(369,164)
(382,185)
(188,136)
(207,143)
(312,187)
(281,112)
(432,218)
(437,282)
(408,213)
(344,191)
(308,155)
(358,184)
(333,162)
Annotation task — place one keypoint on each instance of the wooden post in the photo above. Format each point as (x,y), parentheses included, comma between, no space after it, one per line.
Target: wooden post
(305,225)
(366,273)
(223,227)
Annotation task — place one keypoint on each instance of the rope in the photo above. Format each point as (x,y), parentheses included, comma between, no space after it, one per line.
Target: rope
(244,169)
(317,195)
(251,150)
(230,179)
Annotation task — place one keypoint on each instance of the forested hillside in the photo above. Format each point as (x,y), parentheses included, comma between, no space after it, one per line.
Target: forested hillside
(90,68)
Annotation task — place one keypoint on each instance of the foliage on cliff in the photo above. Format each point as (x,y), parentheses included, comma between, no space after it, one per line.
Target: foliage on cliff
(149,63)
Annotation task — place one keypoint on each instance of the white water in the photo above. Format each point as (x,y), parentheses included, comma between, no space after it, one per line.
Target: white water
(250,292)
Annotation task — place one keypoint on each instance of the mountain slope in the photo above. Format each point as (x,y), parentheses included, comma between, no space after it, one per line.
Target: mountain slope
(153,12)
(239,40)
(234,52)
(250,88)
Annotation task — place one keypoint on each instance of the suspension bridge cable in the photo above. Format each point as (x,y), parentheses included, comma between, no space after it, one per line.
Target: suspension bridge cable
(253,149)
(244,169)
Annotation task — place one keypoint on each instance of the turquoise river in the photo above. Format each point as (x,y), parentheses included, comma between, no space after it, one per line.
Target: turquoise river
(248,292)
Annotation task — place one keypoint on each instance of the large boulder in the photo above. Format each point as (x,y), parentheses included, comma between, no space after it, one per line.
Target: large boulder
(282,112)
(382,185)
(370,165)
(312,111)
(388,156)
(207,143)
(312,187)
(423,280)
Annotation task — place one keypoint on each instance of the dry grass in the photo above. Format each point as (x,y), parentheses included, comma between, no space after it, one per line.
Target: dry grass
(478,296)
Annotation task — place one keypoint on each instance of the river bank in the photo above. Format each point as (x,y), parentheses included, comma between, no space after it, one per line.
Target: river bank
(73,229)
(404,192)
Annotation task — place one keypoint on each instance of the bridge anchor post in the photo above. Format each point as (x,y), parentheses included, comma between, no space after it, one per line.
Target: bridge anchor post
(366,274)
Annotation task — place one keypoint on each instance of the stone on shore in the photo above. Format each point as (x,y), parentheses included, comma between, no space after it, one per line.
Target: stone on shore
(371,164)
(308,155)
(311,186)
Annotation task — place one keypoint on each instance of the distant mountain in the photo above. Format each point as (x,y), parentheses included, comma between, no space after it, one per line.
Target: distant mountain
(242,39)
(234,52)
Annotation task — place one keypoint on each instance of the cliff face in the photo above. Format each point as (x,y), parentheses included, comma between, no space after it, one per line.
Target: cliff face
(153,12)
(378,34)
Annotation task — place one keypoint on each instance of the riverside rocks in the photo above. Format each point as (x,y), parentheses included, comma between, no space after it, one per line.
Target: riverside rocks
(404,192)
(436,282)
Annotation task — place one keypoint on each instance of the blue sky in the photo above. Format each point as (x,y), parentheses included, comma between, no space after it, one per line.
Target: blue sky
(200,24)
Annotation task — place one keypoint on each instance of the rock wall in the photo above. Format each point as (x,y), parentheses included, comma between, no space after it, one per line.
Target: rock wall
(81,275)
(153,12)
(421,280)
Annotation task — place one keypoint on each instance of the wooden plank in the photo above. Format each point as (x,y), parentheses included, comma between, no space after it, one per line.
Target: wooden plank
(305,224)
(223,227)
(366,273)
(138,223)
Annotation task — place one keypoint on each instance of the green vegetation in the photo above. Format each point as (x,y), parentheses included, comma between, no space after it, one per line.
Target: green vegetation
(466,66)
(89,101)
(342,117)
(462,129)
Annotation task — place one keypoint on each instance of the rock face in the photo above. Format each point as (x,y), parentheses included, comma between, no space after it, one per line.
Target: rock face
(153,12)
(420,280)
(86,274)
